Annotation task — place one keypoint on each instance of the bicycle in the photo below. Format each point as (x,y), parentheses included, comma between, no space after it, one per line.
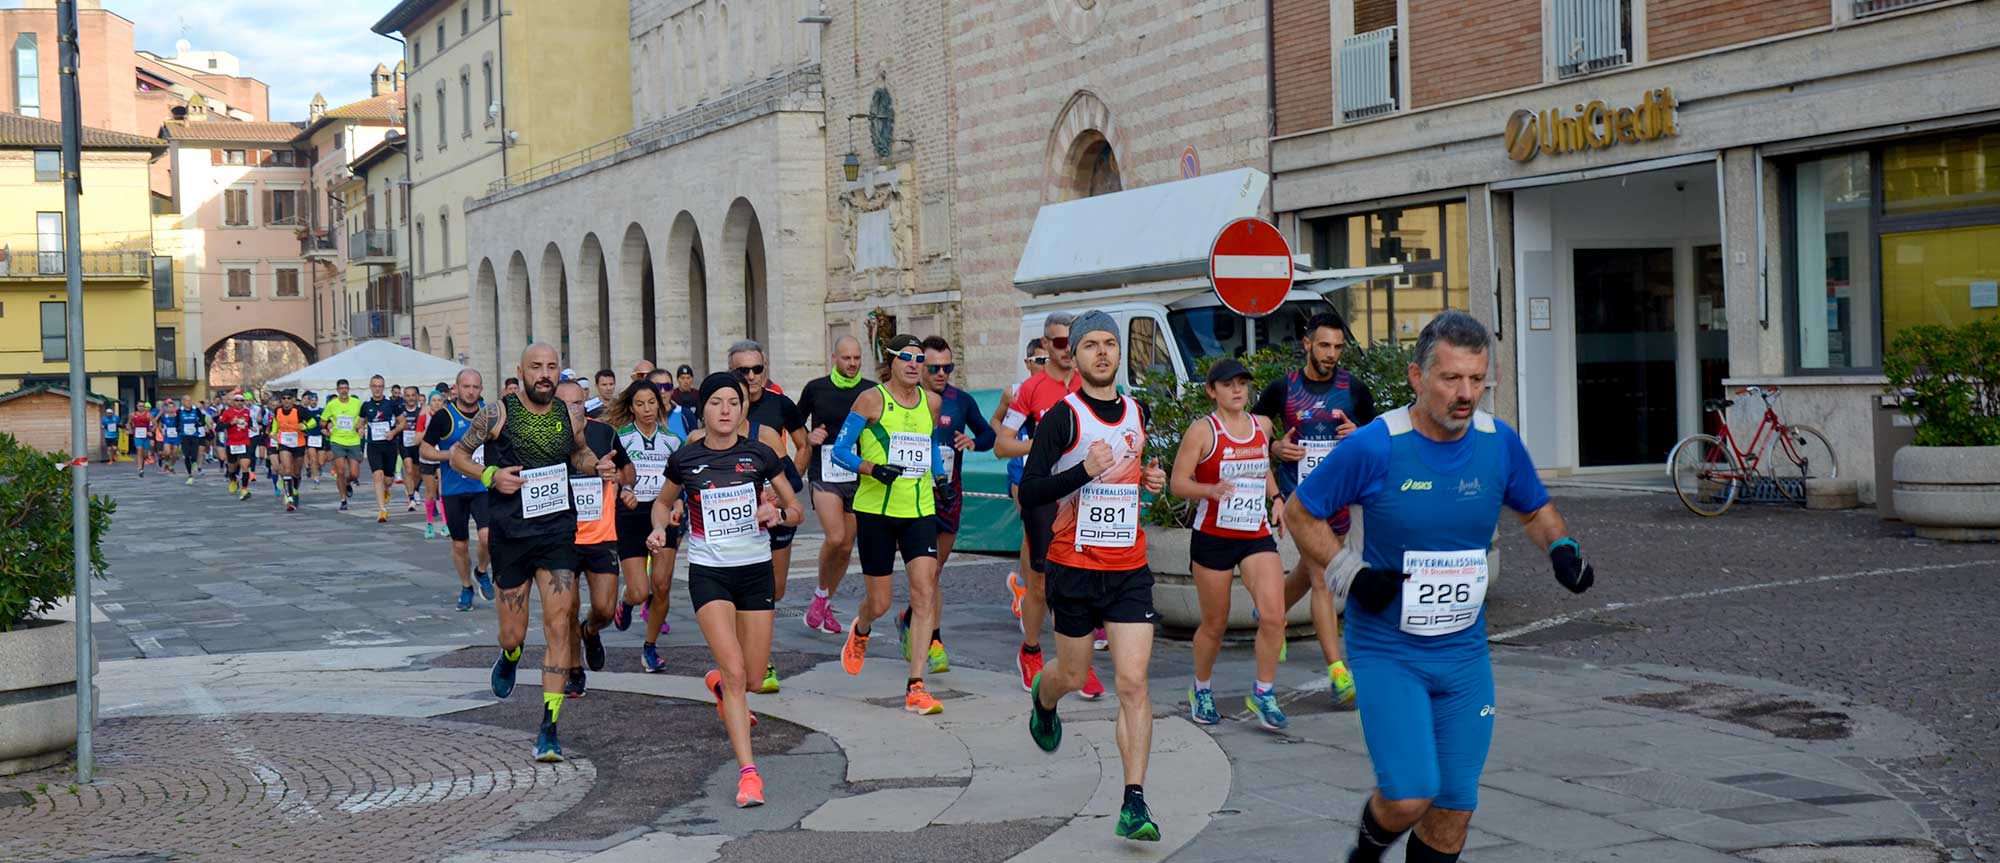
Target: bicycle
(1710,471)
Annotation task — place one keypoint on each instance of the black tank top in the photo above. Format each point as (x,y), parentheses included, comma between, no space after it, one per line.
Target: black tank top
(529,440)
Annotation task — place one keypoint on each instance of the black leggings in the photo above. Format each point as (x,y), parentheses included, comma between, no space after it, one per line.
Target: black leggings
(190,454)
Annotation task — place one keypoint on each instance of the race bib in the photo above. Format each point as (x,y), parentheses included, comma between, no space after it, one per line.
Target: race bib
(344,422)
(238,449)
(190,429)
(138,434)
(911,452)
(1316,452)
(1107,515)
(313,440)
(1246,507)
(479,456)
(409,437)
(170,433)
(649,474)
(378,431)
(729,512)
(1445,590)
(288,439)
(587,494)
(544,490)
(831,471)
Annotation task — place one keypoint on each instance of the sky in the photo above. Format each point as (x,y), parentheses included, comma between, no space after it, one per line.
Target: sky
(297,48)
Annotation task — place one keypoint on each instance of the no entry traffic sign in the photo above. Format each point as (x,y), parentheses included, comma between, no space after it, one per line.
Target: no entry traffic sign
(1251,266)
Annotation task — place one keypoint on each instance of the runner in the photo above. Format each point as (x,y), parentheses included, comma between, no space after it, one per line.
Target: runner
(427,468)
(960,428)
(685,397)
(315,438)
(731,582)
(607,392)
(533,444)
(888,440)
(141,426)
(1432,478)
(641,369)
(1223,464)
(1086,459)
(289,426)
(194,431)
(649,579)
(413,412)
(342,420)
(1042,391)
(824,404)
(596,531)
(170,435)
(1035,358)
(1317,407)
(510,387)
(771,409)
(385,420)
(235,436)
(463,496)
(111,424)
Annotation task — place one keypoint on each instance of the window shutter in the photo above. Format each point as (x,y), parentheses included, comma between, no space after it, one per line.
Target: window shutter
(269,213)
(215,157)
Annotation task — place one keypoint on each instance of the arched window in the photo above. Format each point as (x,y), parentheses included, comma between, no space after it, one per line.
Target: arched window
(444,240)
(465,104)
(27,76)
(1100,170)
(444,117)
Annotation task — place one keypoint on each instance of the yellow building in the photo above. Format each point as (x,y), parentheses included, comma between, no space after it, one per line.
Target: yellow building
(117,260)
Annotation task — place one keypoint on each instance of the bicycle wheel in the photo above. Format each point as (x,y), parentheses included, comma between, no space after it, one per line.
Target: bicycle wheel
(1802,453)
(1707,475)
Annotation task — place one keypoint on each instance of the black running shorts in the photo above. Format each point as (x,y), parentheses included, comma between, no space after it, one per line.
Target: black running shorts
(1084,599)
(749,587)
(879,537)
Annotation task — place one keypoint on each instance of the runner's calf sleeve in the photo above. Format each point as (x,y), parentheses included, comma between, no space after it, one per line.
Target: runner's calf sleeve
(1372,839)
(1420,852)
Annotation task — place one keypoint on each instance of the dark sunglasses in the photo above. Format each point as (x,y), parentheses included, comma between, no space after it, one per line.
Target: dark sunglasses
(1060,343)
(1040,361)
(908,357)
(746,371)
(936,368)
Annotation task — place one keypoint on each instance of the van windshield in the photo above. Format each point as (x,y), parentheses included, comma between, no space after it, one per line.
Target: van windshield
(1210,331)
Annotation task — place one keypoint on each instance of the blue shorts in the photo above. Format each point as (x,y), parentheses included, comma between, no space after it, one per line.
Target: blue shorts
(143,443)
(1428,726)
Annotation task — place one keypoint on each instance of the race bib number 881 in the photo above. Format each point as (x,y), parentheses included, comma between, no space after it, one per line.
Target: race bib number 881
(1107,515)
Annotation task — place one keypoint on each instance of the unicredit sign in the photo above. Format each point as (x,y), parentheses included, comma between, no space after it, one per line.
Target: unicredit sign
(1590,126)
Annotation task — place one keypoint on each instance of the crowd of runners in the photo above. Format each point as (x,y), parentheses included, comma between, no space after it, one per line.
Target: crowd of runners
(564,483)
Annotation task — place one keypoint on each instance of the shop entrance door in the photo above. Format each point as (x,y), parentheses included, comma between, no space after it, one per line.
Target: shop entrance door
(1626,393)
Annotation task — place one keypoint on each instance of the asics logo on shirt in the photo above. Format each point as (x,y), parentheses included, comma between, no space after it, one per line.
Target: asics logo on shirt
(1416,485)
(1487,710)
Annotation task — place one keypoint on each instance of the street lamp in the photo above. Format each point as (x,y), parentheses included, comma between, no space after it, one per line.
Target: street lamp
(850,166)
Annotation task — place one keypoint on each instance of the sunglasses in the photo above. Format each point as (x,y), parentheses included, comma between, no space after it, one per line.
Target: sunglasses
(937,368)
(746,371)
(908,357)
(1040,361)
(1060,343)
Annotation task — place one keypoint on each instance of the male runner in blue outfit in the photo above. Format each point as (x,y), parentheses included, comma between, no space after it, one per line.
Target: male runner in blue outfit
(1432,478)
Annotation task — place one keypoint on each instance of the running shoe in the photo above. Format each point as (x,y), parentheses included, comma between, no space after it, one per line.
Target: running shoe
(1043,723)
(381,516)
(749,790)
(548,750)
(903,634)
(244,495)
(465,599)
(819,616)
(1340,686)
(1092,690)
(1019,591)
(621,619)
(291,506)
(649,660)
(1098,641)
(920,702)
(412,507)
(855,651)
(503,675)
(430,530)
(343,506)
(940,660)
(189,482)
(573,687)
(1029,664)
(1201,706)
(593,650)
(1135,822)
(1265,706)
(713,680)
(232,486)
(485,581)
(770,684)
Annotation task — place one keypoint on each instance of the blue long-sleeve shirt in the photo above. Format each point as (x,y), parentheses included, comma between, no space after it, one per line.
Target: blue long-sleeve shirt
(847,445)
(958,412)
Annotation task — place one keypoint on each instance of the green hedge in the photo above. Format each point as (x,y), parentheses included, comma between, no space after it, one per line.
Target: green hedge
(35,548)
(1949,379)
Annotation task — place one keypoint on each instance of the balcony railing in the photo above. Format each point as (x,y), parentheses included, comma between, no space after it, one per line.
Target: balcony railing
(362,245)
(318,244)
(32,264)
(1589,35)
(166,368)
(373,325)
(1865,8)
(1368,74)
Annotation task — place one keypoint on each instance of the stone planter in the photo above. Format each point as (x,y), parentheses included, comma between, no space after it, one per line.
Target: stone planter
(1179,605)
(37,695)
(1949,492)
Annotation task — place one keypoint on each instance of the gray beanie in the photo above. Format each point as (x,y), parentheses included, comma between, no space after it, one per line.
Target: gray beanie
(1089,322)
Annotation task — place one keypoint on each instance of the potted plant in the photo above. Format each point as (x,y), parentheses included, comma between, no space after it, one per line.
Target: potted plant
(38,657)
(1169,520)
(1948,378)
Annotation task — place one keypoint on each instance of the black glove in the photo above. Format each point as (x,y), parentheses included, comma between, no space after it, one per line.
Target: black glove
(1567,558)
(1375,588)
(886,474)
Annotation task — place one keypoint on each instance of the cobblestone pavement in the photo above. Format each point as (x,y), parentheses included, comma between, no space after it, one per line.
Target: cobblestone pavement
(292,787)
(1839,602)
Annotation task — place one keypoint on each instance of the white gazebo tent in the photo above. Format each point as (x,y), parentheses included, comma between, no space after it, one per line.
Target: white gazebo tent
(398,365)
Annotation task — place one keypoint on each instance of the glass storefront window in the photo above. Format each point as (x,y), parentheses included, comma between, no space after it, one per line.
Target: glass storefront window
(1428,239)
(1945,173)
(1949,276)
(1834,300)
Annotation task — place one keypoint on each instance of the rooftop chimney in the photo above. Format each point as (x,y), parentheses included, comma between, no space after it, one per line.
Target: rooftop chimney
(379,81)
(318,107)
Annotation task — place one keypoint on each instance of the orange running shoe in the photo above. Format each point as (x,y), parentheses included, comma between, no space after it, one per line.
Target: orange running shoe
(855,651)
(749,789)
(1029,664)
(1092,690)
(921,703)
(1019,590)
(713,680)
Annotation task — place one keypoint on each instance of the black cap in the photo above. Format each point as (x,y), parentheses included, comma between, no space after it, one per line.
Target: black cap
(901,342)
(1227,369)
(685,369)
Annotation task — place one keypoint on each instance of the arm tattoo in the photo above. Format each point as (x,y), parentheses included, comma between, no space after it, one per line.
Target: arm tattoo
(481,428)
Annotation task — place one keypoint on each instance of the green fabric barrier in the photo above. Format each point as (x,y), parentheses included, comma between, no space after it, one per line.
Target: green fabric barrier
(987,524)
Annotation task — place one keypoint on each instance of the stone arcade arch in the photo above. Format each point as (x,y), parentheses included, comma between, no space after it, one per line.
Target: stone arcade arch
(741,271)
(686,321)
(634,337)
(551,302)
(516,326)
(590,309)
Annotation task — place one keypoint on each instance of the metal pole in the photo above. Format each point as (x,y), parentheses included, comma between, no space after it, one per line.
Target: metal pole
(79,383)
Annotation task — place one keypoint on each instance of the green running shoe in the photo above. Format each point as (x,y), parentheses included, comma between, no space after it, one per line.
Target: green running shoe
(1135,822)
(1043,723)
(940,660)
(770,683)
(1340,685)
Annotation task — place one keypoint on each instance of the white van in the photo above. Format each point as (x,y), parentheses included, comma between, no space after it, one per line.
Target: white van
(1142,256)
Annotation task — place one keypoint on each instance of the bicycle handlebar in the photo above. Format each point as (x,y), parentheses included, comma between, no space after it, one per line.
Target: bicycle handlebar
(1767,393)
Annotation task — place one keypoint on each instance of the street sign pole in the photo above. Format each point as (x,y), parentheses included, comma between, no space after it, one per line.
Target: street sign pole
(79,383)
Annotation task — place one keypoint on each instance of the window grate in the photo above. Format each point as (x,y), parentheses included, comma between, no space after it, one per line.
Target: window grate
(1367,74)
(1591,35)
(1865,8)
